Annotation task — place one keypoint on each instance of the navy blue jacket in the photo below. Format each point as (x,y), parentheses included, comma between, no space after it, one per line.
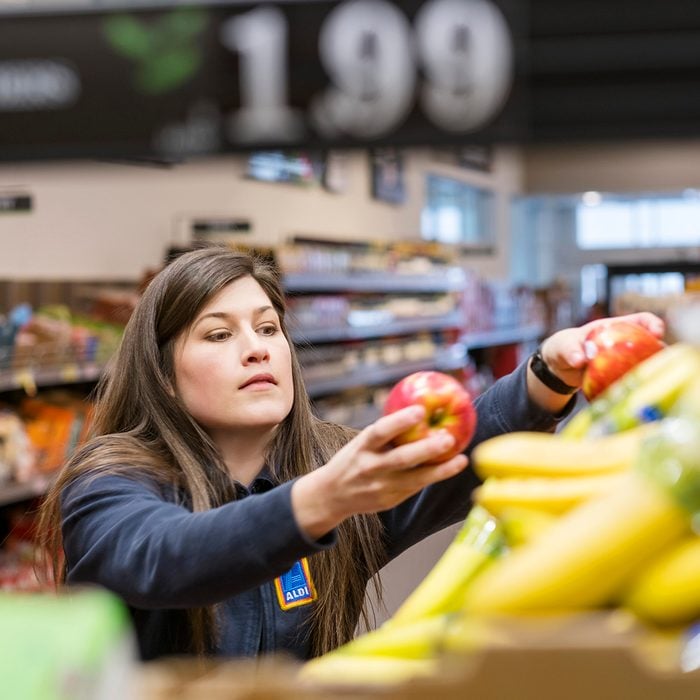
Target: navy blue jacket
(131,537)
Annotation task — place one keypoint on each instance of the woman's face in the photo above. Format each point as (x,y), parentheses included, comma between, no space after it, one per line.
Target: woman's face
(233,368)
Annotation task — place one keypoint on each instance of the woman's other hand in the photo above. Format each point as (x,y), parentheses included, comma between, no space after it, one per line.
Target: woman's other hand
(563,353)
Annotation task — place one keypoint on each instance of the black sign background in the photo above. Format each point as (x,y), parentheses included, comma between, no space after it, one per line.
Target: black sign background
(584,70)
(614,70)
(111,119)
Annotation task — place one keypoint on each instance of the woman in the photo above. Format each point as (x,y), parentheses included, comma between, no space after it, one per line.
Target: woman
(229,518)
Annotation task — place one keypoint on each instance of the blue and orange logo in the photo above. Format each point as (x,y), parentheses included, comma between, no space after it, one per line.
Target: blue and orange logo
(295,588)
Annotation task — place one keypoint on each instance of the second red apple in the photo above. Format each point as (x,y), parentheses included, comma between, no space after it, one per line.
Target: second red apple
(448,406)
(612,350)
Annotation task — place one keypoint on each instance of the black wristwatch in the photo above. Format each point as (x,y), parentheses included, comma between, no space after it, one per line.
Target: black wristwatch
(547,377)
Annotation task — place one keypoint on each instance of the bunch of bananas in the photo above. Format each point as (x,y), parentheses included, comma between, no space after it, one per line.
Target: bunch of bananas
(595,516)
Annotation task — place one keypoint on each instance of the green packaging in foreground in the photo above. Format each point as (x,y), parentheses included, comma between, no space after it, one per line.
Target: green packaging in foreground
(72,646)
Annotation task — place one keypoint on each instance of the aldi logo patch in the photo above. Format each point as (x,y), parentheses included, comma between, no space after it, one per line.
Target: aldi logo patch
(295,588)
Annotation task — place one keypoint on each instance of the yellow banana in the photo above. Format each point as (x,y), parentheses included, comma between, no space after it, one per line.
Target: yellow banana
(467,634)
(582,560)
(587,557)
(668,590)
(337,670)
(521,524)
(544,454)
(420,639)
(552,495)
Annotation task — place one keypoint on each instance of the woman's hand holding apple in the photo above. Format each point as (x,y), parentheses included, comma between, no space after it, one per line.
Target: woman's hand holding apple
(565,351)
(371,474)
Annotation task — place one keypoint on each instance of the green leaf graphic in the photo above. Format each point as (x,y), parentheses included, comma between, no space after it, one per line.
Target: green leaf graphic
(128,36)
(168,69)
(166,54)
(184,23)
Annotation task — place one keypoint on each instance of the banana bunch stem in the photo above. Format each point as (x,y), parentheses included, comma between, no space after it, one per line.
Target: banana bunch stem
(479,541)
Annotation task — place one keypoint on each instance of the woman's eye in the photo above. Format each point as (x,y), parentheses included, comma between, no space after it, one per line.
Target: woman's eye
(268,330)
(219,336)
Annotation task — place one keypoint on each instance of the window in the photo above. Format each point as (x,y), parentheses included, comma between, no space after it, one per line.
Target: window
(640,222)
(457,213)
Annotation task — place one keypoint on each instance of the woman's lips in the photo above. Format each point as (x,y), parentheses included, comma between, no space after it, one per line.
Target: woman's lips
(259,381)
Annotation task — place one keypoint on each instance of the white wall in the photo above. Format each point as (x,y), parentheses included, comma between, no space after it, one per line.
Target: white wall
(109,221)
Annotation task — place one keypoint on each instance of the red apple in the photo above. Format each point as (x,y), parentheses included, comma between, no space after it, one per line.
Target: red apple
(612,349)
(448,406)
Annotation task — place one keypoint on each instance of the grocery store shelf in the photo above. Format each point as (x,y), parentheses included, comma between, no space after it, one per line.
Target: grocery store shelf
(450,280)
(361,419)
(16,493)
(502,336)
(448,359)
(27,377)
(401,327)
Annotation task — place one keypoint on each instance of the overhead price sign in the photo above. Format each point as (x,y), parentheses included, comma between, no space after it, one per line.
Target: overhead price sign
(173,82)
(167,82)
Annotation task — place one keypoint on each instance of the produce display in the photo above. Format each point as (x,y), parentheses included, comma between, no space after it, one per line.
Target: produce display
(643,394)
(598,517)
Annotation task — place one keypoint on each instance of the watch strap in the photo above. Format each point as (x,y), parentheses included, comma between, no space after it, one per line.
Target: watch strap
(547,377)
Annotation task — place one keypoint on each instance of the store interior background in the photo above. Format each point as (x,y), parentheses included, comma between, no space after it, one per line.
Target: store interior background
(107,221)
(102,221)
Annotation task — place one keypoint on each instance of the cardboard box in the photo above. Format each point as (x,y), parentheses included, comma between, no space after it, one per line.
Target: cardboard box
(587,657)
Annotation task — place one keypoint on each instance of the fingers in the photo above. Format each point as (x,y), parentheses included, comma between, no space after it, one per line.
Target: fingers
(400,485)
(646,319)
(385,429)
(431,474)
(370,475)
(565,349)
(571,354)
(653,323)
(414,453)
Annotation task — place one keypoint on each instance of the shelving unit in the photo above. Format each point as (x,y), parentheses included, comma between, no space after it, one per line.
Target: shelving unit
(396,327)
(451,345)
(342,389)
(452,280)
(16,493)
(449,359)
(73,373)
(367,333)
(502,336)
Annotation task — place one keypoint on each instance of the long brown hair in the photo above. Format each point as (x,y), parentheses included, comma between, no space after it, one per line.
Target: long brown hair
(138,424)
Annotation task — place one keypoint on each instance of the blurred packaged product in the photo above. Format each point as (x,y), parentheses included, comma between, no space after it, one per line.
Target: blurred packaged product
(18,458)
(56,424)
(75,645)
(303,254)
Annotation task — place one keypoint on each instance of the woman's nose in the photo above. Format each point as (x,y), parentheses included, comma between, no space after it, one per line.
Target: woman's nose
(256,349)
